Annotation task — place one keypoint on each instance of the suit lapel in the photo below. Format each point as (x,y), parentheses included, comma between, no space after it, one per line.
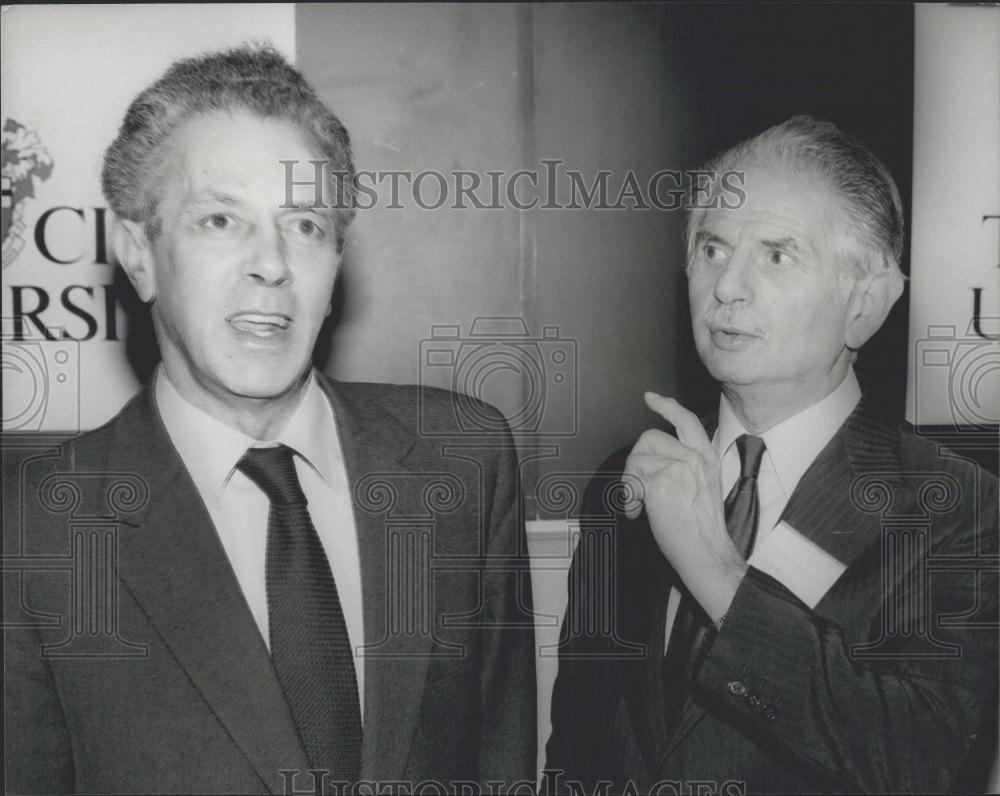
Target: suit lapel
(643,617)
(692,713)
(828,505)
(646,580)
(174,565)
(375,448)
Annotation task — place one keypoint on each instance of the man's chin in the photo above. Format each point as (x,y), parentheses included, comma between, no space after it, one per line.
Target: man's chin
(265,387)
(731,369)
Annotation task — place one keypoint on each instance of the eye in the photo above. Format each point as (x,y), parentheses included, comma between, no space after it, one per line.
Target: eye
(713,252)
(218,221)
(779,258)
(308,228)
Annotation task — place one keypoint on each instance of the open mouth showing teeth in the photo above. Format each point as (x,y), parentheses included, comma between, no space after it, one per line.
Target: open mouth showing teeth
(259,324)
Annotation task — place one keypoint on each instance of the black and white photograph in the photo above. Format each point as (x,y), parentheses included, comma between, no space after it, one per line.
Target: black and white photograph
(500,399)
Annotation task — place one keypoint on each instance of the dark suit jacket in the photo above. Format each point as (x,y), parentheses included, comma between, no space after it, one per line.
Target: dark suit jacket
(138,668)
(881,687)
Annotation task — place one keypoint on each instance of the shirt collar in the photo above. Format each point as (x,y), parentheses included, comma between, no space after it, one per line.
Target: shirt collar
(211,449)
(312,433)
(793,444)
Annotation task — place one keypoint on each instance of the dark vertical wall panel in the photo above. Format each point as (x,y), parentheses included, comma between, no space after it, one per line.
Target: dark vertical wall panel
(607,100)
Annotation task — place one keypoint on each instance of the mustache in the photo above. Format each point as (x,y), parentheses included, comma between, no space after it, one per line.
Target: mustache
(733,321)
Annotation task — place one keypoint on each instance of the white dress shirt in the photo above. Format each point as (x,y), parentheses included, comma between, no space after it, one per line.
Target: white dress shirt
(210,450)
(790,447)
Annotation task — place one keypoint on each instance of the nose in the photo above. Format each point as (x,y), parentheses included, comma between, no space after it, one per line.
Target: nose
(268,263)
(735,281)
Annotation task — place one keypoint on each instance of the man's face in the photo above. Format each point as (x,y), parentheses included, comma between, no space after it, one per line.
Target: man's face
(241,285)
(770,296)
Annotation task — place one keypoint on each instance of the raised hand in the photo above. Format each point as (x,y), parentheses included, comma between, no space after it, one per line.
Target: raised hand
(684,504)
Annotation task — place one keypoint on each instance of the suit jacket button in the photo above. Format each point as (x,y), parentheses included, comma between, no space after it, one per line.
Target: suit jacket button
(754,700)
(737,688)
(767,712)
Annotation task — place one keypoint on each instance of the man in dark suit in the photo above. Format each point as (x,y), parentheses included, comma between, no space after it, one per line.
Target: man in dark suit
(791,597)
(274,583)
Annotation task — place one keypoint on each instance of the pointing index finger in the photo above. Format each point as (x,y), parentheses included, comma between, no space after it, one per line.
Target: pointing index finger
(689,428)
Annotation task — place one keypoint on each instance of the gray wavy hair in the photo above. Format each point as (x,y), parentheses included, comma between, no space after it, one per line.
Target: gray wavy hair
(869,196)
(253,78)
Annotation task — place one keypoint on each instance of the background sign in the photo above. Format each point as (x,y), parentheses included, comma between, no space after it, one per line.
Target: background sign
(954,373)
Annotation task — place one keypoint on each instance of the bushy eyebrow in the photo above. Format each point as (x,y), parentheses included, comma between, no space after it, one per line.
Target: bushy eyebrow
(702,236)
(788,244)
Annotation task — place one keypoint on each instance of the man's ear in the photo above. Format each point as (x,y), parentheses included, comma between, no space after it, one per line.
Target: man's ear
(871,299)
(136,257)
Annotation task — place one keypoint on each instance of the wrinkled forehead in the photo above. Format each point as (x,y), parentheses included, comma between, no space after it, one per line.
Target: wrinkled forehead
(777,202)
(232,151)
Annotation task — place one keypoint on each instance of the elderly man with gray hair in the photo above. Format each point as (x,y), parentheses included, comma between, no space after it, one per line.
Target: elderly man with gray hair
(757,614)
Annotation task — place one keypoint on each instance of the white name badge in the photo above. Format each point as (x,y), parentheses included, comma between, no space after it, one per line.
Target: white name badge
(801,566)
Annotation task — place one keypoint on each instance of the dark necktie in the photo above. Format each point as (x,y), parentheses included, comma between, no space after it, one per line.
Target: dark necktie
(742,510)
(310,649)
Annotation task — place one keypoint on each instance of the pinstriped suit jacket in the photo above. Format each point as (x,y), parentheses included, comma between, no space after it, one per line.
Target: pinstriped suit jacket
(882,687)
